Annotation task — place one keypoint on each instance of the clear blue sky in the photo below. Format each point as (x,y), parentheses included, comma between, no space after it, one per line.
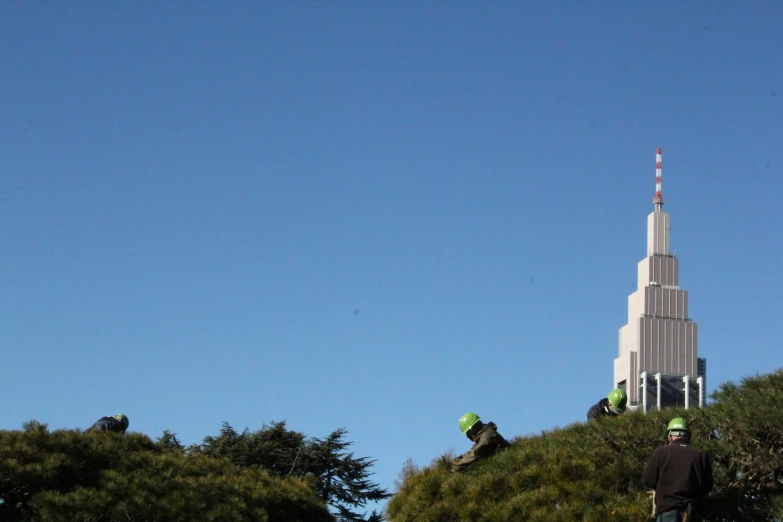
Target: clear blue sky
(373,215)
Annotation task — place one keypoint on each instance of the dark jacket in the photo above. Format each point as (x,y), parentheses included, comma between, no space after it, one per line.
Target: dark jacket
(107,424)
(680,474)
(488,442)
(601,409)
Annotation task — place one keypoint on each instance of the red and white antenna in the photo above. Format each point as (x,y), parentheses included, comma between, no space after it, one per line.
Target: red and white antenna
(658,199)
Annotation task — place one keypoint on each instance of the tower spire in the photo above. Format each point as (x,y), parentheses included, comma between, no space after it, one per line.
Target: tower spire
(658,199)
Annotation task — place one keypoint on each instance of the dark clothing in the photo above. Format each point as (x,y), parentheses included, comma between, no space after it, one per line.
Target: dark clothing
(670,516)
(601,409)
(680,474)
(488,442)
(107,424)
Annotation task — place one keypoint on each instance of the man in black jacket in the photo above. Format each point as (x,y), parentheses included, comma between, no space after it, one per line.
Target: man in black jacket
(680,474)
(117,423)
(610,406)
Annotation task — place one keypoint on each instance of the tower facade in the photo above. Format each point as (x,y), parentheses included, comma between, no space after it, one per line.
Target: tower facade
(657,362)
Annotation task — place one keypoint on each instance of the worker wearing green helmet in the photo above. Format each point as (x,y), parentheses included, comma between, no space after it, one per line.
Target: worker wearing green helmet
(610,406)
(117,423)
(485,437)
(680,474)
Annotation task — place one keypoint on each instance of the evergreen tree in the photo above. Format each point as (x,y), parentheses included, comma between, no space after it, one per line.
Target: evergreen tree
(274,448)
(343,480)
(169,442)
(69,476)
(338,478)
(592,472)
(409,469)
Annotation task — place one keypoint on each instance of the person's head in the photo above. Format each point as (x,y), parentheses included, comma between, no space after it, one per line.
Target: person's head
(617,400)
(678,429)
(122,420)
(470,423)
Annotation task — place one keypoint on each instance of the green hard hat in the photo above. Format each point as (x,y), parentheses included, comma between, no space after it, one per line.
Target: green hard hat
(678,424)
(467,421)
(123,420)
(618,399)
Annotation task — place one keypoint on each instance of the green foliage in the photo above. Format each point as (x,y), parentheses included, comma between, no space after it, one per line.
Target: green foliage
(592,472)
(274,448)
(746,439)
(409,469)
(343,480)
(270,474)
(337,477)
(89,477)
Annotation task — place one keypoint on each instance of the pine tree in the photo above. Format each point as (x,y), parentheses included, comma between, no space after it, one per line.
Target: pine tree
(71,476)
(341,480)
(409,469)
(592,472)
(274,448)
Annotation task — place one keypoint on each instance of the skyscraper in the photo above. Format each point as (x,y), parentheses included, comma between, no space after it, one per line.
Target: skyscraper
(658,363)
